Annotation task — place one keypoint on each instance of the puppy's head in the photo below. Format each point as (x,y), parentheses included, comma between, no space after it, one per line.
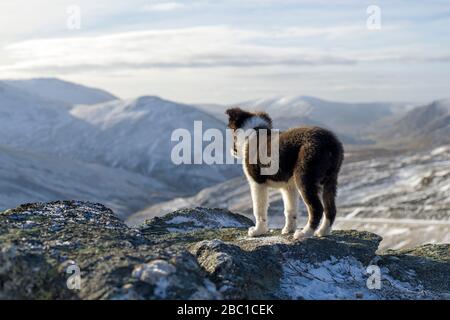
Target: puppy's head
(245,120)
(241,119)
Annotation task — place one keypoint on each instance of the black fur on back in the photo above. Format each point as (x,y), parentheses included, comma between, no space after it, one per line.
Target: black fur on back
(304,149)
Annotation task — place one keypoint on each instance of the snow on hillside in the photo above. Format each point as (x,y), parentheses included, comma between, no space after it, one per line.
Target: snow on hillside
(62,91)
(136,135)
(343,117)
(26,177)
(25,116)
(411,186)
(423,126)
(349,120)
(132,134)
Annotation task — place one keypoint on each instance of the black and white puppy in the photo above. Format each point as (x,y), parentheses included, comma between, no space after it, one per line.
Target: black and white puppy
(309,160)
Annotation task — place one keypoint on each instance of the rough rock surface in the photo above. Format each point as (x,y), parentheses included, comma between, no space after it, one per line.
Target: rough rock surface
(199,254)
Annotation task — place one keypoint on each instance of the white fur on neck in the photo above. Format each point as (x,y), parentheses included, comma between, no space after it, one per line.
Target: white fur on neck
(254,122)
(250,123)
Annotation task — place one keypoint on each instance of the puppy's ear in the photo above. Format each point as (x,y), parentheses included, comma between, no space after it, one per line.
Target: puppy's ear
(234,113)
(266,117)
(237,117)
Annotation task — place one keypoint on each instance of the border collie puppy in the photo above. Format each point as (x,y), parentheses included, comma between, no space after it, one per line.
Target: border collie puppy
(309,160)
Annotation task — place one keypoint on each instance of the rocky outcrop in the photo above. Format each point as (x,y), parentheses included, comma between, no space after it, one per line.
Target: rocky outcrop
(200,254)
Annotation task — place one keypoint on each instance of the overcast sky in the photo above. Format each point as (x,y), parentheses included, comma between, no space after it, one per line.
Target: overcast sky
(225,51)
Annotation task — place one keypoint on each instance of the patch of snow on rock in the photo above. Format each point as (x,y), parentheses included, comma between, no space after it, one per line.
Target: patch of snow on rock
(157,273)
(186,220)
(332,279)
(344,278)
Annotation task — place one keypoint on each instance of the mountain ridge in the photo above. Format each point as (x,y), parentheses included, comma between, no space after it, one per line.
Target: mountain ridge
(350,121)
(62,91)
(133,134)
(424,126)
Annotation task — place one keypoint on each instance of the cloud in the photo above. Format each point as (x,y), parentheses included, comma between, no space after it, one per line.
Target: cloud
(163,6)
(196,47)
(204,47)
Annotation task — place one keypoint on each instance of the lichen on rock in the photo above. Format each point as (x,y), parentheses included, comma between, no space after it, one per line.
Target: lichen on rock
(199,253)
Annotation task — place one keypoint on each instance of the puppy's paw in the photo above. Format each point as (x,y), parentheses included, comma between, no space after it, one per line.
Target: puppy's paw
(288,229)
(305,233)
(323,232)
(257,231)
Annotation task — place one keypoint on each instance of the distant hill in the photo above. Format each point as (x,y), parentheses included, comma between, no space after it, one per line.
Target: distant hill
(62,91)
(424,126)
(134,134)
(349,120)
(29,177)
(25,117)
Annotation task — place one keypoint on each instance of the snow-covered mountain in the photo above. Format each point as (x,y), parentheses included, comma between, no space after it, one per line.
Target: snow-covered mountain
(136,135)
(25,117)
(26,177)
(349,120)
(62,91)
(423,126)
(130,134)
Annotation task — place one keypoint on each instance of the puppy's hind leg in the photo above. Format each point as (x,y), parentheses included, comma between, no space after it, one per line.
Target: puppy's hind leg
(310,193)
(260,205)
(328,197)
(290,201)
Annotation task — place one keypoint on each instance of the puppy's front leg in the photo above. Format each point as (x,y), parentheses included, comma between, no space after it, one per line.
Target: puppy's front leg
(260,205)
(290,201)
